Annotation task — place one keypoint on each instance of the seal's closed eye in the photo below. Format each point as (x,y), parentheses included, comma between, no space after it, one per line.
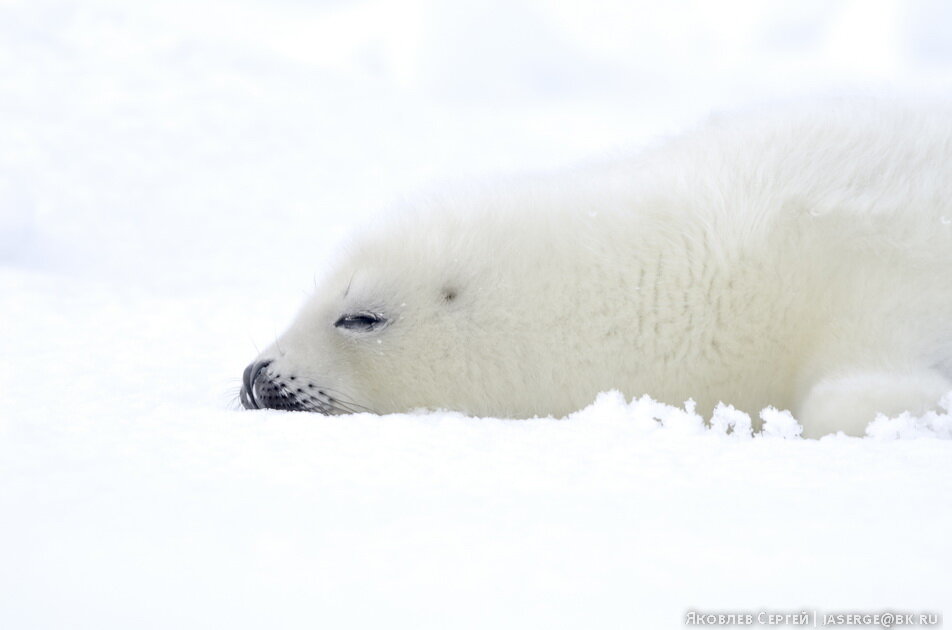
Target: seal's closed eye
(364,321)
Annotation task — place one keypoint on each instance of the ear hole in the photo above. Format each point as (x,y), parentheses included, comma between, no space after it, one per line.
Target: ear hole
(449,295)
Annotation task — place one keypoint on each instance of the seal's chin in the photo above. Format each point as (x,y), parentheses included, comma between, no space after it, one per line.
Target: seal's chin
(263,388)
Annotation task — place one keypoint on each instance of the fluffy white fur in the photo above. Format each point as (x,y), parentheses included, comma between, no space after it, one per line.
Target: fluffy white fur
(799,259)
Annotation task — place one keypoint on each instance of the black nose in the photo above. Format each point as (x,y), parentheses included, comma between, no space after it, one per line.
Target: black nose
(251,373)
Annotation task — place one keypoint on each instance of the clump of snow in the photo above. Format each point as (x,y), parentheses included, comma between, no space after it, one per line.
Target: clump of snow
(907,426)
(779,424)
(647,415)
(609,406)
(685,421)
(648,412)
(727,420)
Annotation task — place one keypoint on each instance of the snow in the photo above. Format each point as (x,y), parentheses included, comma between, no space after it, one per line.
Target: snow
(173,176)
(779,424)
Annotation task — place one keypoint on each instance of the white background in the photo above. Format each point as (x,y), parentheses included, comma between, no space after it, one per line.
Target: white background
(172,178)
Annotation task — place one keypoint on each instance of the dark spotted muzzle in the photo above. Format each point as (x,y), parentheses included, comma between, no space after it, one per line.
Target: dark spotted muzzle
(263,389)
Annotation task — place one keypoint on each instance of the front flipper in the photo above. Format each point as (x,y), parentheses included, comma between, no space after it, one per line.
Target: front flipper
(850,401)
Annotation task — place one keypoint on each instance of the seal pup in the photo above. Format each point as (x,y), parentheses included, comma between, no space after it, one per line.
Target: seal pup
(798,258)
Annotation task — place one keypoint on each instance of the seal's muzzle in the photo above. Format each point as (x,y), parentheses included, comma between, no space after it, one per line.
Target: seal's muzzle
(248,381)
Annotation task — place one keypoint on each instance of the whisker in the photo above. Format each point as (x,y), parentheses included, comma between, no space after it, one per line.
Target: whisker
(232,398)
(252,340)
(354,407)
(340,396)
(344,407)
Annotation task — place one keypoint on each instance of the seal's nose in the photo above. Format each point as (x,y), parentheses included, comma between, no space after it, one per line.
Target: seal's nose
(248,384)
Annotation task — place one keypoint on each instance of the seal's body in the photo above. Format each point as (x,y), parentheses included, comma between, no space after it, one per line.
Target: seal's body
(796,259)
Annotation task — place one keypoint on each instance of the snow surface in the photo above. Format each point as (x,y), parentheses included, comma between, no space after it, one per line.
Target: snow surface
(173,175)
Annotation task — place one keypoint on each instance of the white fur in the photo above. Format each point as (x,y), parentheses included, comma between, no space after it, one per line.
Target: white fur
(799,259)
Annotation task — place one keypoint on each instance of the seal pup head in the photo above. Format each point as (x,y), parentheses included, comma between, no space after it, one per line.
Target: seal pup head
(469,307)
